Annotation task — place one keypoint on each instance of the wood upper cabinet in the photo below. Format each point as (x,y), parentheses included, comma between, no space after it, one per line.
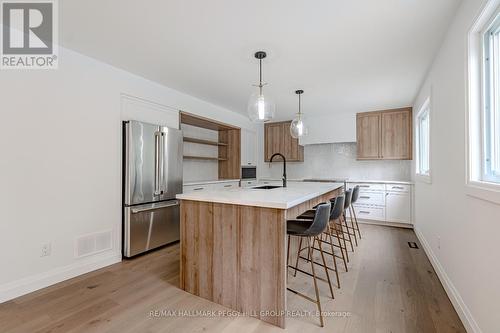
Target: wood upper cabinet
(277,139)
(384,135)
(396,127)
(274,141)
(368,135)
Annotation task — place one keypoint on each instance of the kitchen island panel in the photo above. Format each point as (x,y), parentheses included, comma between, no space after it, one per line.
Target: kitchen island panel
(197,248)
(225,257)
(262,254)
(235,255)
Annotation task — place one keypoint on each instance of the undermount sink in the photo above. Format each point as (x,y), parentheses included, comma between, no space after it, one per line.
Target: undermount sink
(266,187)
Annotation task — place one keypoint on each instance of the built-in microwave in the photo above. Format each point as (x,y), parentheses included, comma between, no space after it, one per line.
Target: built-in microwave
(248,172)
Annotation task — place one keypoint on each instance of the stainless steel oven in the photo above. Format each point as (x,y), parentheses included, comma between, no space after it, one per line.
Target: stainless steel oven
(248,172)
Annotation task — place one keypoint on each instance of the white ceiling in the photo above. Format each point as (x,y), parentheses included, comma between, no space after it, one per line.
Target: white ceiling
(348,55)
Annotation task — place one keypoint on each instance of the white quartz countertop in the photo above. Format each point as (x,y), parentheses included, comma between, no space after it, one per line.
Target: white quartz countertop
(348,180)
(203,182)
(283,198)
(402,182)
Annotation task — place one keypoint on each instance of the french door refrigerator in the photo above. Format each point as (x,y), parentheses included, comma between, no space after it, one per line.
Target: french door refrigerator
(152,176)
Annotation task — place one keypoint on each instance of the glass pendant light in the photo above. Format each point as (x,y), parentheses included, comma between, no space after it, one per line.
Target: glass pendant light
(298,128)
(260,107)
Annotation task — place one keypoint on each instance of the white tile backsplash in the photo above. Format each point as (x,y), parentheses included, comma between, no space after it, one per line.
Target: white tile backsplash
(338,160)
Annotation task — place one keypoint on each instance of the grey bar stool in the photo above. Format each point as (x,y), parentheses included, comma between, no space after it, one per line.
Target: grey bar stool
(355,196)
(330,233)
(311,229)
(343,221)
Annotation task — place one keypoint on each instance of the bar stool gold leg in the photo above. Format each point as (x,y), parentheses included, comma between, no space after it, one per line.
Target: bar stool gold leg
(341,233)
(333,228)
(347,231)
(353,227)
(298,255)
(324,264)
(356,220)
(318,302)
(288,251)
(334,256)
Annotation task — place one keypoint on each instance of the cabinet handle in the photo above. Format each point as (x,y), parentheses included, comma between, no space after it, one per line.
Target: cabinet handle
(364,197)
(198,189)
(364,185)
(398,187)
(228,185)
(364,212)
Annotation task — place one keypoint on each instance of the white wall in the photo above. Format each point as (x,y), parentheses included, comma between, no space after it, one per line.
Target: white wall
(468,256)
(338,160)
(338,127)
(60,170)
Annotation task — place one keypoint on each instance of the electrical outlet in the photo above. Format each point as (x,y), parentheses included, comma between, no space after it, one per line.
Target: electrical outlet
(46,250)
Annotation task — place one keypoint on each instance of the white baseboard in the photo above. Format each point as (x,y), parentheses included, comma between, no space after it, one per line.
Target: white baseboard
(29,284)
(387,224)
(453,294)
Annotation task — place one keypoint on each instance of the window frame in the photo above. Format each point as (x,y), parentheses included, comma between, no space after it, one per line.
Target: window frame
(425,111)
(490,160)
(475,183)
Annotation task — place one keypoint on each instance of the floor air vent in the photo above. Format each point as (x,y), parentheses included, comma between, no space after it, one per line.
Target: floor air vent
(413,245)
(93,243)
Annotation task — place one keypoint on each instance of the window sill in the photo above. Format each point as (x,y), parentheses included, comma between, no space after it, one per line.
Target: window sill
(421,178)
(484,191)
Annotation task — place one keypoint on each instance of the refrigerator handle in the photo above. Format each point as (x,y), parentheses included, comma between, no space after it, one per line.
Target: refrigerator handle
(161,175)
(147,209)
(157,163)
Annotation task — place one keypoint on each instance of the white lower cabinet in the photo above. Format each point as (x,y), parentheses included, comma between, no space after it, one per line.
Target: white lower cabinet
(398,207)
(371,198)
(385,202)
(370,212)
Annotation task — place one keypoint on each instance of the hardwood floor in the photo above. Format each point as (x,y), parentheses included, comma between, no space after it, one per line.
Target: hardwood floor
(389,288)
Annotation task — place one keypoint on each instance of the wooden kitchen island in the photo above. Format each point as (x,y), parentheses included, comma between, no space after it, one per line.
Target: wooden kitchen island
(233,244)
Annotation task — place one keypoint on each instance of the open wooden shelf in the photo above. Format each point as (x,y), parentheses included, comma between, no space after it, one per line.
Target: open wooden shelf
(228,143)
(204,142)
(204,158)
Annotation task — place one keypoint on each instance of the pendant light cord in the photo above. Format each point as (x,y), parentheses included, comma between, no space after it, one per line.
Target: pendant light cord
(260,76)
(300,113)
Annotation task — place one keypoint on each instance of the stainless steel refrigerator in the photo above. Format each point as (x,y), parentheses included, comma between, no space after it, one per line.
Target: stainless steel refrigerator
(152,176)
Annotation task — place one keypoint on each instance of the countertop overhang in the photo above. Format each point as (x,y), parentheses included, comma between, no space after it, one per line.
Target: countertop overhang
(281,197)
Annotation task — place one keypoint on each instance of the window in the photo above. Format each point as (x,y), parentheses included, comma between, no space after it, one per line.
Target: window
(491,108)
(483,112)
(423,142)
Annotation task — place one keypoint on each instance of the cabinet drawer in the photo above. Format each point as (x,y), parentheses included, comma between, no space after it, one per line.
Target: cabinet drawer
(248,183)
(223,186)
(368,186)
(371,198)
(194,188)
(397,187)
(271,182)
(370,213)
